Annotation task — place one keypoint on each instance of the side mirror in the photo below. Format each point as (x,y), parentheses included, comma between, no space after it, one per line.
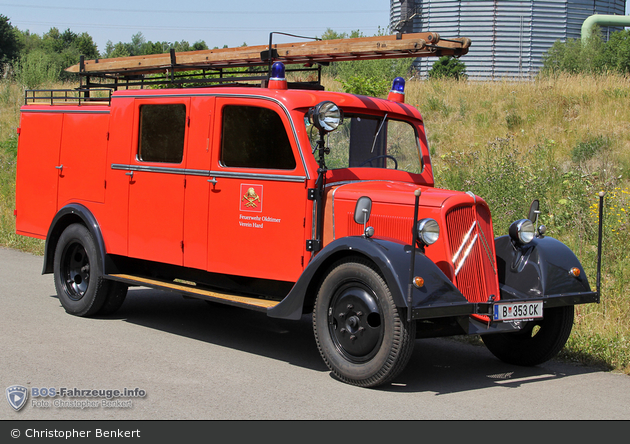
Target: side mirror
(362,210)
(534,211)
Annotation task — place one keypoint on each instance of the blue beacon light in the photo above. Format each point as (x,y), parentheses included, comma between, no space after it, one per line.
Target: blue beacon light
(397,93)
(278,79)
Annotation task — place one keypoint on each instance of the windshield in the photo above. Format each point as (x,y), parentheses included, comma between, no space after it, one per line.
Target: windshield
(371,142)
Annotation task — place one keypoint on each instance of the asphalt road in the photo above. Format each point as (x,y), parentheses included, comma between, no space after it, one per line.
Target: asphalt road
(197,361)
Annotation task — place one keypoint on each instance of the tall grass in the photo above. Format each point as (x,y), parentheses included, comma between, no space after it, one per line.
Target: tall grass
(560,140)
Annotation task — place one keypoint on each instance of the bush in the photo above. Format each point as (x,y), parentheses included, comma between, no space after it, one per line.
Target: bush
(447,67)
(593,56)
(369,86)
(37,68)
(585,150)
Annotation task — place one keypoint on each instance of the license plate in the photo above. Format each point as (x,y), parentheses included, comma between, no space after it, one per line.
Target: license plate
(509,311)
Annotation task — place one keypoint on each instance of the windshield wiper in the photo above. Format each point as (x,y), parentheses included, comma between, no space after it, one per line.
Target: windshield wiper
(378,132)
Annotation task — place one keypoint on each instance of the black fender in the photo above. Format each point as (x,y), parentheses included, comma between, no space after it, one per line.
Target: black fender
(392,260)
(72,213)
(540,269)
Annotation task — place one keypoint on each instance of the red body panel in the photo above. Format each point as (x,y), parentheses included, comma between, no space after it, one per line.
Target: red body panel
(61,159)
(36,175)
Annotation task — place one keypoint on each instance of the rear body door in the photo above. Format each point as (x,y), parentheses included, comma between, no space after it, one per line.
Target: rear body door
(157,180)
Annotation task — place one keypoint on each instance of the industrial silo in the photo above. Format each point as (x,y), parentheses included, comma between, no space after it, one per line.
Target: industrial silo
(509,37)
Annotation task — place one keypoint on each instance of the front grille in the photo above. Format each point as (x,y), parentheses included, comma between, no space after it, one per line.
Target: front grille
(472,251)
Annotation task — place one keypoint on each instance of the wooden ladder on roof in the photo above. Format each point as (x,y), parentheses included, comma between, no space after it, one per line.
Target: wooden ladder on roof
(307,54)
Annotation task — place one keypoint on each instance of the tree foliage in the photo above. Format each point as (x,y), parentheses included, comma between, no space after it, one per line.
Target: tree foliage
(44,59)
(447,67)
(593,56)
(140,46)
(9,45)
(39,59)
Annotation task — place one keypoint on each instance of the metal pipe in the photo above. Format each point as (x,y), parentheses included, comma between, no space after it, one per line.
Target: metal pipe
(599,245)
(602,20)
(413,253)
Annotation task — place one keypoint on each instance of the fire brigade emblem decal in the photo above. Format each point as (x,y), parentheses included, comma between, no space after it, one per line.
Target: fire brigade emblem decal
(251,197)
(17,395)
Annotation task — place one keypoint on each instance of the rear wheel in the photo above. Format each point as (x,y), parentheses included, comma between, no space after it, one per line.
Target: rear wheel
(538,342)
(78,276)
(359,331)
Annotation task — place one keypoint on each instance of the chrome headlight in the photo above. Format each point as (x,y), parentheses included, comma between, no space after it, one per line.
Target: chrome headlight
(522,231)
(326,116)
(428,231)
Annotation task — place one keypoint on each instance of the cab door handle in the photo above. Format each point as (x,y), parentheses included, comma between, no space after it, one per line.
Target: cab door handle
(213,181)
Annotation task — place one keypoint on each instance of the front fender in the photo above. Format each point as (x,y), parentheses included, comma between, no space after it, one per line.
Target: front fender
(393,260)
(540,269)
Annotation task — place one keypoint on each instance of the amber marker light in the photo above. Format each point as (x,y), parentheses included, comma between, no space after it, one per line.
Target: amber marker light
(418,282)
(574,272)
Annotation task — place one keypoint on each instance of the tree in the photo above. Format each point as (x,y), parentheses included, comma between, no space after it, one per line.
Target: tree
(9,44)
(575,56)
(448,67)
(616,52)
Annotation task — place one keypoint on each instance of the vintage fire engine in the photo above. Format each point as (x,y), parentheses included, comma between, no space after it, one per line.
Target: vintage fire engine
(283,198)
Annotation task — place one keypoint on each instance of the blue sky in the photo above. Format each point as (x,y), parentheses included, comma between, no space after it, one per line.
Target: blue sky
(217,23)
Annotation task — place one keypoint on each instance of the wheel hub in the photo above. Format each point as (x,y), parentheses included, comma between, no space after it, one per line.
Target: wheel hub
(354,320)
(76,269)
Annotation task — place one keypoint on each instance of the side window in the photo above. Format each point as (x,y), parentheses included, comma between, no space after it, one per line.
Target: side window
(255,137)
(162,131)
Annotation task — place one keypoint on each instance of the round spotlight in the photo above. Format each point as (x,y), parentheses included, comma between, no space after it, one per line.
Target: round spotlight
(326,116)
(522,231)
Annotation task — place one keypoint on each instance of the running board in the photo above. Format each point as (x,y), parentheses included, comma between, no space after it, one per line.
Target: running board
(226,298)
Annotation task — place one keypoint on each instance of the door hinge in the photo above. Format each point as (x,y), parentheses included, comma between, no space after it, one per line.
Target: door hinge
(313,245)
(312,194)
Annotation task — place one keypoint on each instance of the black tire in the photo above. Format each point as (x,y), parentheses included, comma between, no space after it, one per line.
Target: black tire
(79,281)
(359,331)
(538,342)
(115,297)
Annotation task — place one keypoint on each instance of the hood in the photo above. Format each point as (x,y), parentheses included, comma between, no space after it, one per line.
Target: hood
(395,193)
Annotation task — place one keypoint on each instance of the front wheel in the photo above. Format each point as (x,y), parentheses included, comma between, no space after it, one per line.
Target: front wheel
(538,342)
(359,331)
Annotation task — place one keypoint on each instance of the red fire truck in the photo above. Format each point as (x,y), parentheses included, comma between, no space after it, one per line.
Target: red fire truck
(284,198)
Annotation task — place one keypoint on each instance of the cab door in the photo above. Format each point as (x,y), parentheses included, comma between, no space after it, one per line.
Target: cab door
(157,180)
(257,218)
